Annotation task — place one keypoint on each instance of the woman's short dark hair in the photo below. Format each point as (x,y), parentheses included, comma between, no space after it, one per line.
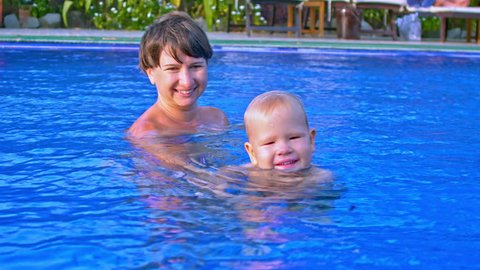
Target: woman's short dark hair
(175,32)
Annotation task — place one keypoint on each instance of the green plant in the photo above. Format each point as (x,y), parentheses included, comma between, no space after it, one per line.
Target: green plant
(26,2)
(128,14)
(83,5)
(374,17)
(215,13)
(209,8)
(430,24)
(41,7)
(18,3)
(138,14)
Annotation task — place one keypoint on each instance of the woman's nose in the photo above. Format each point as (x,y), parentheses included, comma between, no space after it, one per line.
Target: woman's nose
(185,78)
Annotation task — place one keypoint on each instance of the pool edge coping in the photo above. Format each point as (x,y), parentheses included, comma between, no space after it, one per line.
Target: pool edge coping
(258,42)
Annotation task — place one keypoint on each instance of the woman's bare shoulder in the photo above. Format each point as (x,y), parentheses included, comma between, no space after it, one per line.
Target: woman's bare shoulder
(145,124)
(140,128)
(213,116)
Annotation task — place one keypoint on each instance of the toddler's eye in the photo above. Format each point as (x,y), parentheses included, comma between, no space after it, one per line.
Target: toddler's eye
(295,137)
(268,143)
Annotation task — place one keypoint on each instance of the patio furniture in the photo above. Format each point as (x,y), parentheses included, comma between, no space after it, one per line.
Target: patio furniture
(445,13)
(293,24)
(314,9)
(459,13)
(393,7)
(310,7)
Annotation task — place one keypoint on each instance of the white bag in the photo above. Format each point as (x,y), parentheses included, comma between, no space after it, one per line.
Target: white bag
(410,27)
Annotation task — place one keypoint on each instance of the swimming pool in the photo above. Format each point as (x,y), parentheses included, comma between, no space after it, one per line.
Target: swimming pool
(400,130)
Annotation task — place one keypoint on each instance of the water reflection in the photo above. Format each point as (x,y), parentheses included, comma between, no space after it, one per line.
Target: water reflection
(268,202)
(195,196)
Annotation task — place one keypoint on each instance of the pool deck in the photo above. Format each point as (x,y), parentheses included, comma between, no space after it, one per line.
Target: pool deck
(88,36)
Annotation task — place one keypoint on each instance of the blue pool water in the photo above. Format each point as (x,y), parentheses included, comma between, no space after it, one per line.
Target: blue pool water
(400,130)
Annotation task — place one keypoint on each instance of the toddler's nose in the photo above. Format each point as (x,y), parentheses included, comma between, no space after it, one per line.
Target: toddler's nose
(283,148)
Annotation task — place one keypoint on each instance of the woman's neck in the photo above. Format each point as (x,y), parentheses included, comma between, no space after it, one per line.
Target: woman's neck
(183,117)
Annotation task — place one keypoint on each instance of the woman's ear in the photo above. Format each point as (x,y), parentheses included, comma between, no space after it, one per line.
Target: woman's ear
(313,133)
(150,75)
(251,154)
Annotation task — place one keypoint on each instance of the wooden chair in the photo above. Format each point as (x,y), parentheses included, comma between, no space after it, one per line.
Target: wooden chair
(311,7)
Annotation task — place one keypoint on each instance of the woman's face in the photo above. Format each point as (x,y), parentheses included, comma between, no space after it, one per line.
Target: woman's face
(179,84)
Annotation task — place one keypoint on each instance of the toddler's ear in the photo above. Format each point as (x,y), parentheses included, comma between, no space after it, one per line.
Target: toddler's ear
(251,154)
(313,133)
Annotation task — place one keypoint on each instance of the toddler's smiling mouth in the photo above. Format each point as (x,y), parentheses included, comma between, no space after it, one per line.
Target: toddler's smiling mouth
(286,164)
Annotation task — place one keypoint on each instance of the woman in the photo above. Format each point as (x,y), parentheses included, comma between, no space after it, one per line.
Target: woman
(174,54)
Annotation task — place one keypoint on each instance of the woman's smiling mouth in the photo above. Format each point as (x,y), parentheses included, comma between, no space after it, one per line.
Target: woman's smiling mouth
(185,93)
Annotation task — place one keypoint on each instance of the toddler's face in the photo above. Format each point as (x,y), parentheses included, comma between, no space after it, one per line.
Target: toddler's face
(281,141)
